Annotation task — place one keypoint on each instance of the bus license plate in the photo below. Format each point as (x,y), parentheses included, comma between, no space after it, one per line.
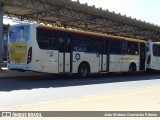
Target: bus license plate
(17,61)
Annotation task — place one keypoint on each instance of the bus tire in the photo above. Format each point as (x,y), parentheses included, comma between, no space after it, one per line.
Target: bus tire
(132,68)
(83,69)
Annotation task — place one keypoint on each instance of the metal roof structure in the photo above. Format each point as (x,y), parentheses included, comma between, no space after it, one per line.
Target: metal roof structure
(69,14)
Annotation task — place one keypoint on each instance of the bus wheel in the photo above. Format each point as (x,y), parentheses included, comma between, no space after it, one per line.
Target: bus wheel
(132,69)
(83,70)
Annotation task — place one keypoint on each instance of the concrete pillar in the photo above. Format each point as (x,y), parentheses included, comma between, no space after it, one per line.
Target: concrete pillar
(1,34)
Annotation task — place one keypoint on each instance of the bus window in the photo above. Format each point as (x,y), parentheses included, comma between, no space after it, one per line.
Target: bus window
(156,50)
(68,44)
(46,39)
(61,44)
(79,45)
(132,48)
(102,46)
(91,44)
(64,44)
(117,46)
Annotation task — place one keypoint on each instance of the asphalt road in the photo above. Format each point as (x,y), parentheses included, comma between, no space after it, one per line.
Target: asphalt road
(28,90)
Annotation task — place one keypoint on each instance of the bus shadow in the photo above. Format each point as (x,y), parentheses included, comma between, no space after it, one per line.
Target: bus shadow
(54,81)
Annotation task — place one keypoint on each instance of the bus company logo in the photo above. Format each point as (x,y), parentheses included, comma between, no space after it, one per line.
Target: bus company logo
(77,56)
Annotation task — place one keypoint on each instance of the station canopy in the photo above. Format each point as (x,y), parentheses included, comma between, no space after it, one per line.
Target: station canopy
(70,14)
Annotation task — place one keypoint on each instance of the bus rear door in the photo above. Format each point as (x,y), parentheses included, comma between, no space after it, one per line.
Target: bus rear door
(103,56)
(64,54)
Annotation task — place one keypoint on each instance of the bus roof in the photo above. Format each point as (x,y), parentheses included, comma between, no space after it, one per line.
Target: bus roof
(158,43)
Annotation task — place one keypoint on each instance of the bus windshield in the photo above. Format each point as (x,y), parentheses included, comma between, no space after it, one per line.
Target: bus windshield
(19,33)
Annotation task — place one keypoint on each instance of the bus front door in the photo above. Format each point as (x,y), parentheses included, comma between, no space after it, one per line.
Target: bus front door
(142,56)
(64,54)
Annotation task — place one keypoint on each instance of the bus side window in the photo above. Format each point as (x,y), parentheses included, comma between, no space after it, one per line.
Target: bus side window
(117,46)
(132,48)
(102,46)
(68,44)
(156,50)
(46,39)
(64,44)
(61,44)
(82,46)
(92,44)
(79,45)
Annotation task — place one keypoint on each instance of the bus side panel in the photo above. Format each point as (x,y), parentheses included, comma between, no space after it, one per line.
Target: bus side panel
(91,58)
(76,60)
(114,63)
(36,56)
(37,66)
(127,60)
(49,60)
(121,63)
(155,59)
(155,63)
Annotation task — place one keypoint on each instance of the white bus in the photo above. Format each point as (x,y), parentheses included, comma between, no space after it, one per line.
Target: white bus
(153,60)
(49,49)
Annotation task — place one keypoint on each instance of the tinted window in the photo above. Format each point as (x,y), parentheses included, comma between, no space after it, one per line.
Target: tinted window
(68,44)
(61,44)
(86,44)
(79,44)
(117,46)
(102,46)
(156,50)
(92,44)
(64,44)
(46,39)
(132,48)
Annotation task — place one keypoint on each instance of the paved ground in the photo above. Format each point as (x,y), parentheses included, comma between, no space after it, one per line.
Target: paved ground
(28,90)
(147,99)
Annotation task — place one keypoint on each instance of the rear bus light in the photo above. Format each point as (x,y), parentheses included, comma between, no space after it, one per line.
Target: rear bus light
(29,57)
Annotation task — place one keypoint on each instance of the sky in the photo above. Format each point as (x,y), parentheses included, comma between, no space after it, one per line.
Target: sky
(145,10)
